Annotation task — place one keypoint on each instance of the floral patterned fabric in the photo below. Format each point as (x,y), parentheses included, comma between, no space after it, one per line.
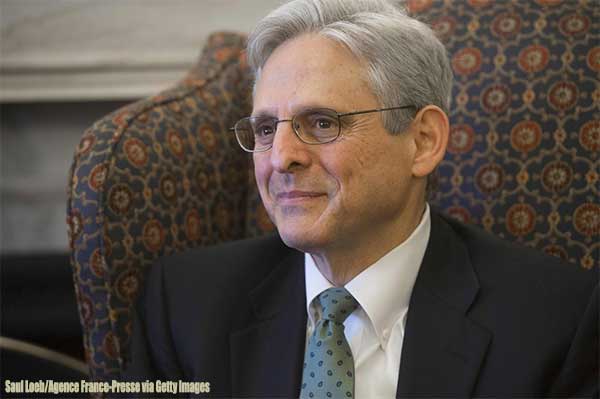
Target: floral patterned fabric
(522,159)
(156,177)
(164,174)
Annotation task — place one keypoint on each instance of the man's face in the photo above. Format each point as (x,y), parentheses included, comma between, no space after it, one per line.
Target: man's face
(339,194)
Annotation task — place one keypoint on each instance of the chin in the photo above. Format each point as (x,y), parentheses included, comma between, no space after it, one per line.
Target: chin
(301,238)
(301,228)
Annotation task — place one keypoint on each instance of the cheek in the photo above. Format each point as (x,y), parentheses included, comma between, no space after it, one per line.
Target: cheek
(367,170)
(356,158)
(348,168)
(261,173)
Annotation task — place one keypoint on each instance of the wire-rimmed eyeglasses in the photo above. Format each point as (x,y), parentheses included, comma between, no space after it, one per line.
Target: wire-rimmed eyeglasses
(312,126)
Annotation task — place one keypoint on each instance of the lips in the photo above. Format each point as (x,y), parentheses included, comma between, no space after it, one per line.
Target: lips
(297,195)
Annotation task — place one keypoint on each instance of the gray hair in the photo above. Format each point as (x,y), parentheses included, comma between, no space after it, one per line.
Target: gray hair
(406,63)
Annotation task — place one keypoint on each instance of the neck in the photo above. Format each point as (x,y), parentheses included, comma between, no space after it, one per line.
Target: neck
(340,264)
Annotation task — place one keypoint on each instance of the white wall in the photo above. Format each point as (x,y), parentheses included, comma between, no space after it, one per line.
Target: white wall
(107,49)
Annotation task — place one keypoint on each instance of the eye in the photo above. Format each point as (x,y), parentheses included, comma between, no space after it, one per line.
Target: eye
(264,130)
(264,127)
(322,122)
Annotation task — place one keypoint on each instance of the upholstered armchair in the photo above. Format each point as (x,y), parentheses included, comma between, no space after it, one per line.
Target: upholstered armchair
(164,174)
(159,176)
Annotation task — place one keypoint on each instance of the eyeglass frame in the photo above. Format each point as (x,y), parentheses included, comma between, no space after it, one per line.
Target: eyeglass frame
(338,115)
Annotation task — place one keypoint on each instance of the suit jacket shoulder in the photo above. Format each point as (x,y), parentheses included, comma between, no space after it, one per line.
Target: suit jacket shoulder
(523,323)
(527,275)
(193,301)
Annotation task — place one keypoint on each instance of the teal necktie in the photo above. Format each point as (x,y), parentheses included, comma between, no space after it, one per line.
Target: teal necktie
(328,364)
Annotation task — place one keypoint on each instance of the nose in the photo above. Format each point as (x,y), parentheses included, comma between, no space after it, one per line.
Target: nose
(288,153)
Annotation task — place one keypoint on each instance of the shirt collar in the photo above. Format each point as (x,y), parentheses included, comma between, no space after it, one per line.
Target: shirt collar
(315,284)
(393,277)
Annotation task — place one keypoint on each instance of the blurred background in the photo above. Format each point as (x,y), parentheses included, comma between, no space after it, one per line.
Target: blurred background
(63,65)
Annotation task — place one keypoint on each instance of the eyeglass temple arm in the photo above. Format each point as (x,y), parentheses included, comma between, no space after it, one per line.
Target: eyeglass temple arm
(232,129)
(377,110)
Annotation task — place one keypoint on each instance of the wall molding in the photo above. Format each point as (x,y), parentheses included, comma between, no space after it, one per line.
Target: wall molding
(84,50)
(69,83)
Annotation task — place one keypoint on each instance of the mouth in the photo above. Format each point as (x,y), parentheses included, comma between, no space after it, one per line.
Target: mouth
(296,196)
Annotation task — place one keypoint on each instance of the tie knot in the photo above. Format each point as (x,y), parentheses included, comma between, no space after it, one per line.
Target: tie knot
(337,304)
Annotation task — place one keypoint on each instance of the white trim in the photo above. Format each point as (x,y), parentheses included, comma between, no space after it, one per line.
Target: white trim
(86,83)
(65,50)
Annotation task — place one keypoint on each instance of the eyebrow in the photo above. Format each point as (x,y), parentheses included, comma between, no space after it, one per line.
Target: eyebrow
(263,114)
(270,113)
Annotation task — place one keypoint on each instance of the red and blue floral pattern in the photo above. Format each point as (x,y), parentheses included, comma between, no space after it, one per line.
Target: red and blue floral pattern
(156,177)
(522,158)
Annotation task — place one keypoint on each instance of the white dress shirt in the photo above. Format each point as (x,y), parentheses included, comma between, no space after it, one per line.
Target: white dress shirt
(375,330)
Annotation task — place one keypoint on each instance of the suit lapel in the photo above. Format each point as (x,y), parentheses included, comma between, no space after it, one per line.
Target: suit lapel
(442,350)
(267,355)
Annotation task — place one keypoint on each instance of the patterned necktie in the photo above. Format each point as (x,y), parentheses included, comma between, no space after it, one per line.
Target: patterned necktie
(328,364)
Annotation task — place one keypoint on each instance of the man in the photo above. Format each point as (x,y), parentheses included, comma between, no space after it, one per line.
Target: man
(365,292)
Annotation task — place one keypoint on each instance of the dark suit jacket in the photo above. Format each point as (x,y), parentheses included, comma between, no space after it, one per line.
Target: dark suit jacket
(486,318)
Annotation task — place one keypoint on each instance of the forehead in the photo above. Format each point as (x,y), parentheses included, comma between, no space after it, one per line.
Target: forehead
(312,70)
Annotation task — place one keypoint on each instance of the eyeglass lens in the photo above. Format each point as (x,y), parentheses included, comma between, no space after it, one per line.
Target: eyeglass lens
(313,126)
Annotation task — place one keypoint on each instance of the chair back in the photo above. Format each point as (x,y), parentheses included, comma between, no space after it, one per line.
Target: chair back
(522,160)
(156,177)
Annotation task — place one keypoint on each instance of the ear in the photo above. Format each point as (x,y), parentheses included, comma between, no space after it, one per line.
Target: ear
(431,131)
